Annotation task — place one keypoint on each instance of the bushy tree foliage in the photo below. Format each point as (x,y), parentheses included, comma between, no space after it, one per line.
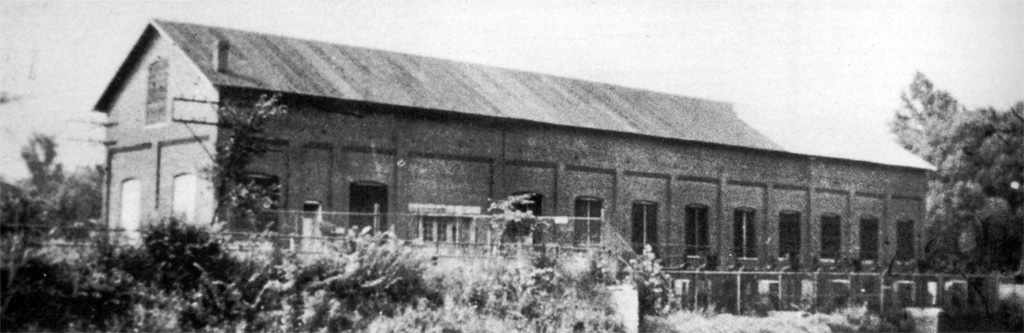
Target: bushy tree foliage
(510,220)
(240,199)
(979,154)
(49,196)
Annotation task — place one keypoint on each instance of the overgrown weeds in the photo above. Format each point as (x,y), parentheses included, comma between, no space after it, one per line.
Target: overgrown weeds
(182,277)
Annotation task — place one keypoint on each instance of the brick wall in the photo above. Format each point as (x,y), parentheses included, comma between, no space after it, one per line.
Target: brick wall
(155,153)
(437,158)
(431,157)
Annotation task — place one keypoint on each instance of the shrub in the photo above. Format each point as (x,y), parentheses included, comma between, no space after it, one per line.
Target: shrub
(361,277)
(183,254)
(510,221)
(453,318)
(182,277)
(41,292)
(539,295)
(654,286)
(1008,316)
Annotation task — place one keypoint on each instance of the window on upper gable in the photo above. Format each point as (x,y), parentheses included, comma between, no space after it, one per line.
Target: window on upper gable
(156,92)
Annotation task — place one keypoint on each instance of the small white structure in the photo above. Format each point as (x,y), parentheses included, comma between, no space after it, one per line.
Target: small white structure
(627,306)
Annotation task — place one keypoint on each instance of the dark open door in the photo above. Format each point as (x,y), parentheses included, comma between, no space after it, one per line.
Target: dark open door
(369,203)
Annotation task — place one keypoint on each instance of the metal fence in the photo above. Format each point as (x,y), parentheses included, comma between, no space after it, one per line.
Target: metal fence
(747,292)
(742,291)
(448,233)
(439,234)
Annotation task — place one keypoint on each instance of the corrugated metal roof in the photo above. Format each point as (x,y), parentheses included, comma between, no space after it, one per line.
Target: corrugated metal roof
(316,68)
(353,73)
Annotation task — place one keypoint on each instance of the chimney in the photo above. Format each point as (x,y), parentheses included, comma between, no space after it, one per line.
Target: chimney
(220,55)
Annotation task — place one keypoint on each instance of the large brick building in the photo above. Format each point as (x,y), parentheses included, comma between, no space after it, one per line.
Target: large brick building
(370,129)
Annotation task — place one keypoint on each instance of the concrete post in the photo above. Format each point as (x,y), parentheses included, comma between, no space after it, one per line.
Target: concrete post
(627,306)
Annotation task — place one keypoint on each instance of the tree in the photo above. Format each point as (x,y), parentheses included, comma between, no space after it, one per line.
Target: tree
(241,199)
(48,196)
(978,217)
(40,157)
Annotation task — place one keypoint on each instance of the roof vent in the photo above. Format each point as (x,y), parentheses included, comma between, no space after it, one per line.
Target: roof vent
(220,55)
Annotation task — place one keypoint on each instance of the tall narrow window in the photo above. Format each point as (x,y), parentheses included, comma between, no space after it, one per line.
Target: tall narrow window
(789,234)
(869,238)
(744,233)
(696,229)
(368,204)
(130,205)
(831,236)
(183,203)
(156,92)
(645,225)
(587,229)
(904,239)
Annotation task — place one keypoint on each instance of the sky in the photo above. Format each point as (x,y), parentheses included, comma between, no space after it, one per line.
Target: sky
(807,74)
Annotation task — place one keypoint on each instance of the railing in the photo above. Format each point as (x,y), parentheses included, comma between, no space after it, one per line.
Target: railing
(473,235)
(447,232)
(757,291)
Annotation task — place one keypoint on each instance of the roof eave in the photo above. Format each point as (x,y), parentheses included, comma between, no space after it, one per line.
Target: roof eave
(117,82)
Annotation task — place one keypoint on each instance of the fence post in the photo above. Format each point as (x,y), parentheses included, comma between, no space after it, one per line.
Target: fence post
(816,298)
(739,293)
(695,293)
(376,217)
(881,293)
(782,300)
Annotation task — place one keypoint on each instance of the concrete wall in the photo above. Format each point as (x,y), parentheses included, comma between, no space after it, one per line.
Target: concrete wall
(156,153)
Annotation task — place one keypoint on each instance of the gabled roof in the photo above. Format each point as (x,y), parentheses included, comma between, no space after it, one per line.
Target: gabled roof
(313,68)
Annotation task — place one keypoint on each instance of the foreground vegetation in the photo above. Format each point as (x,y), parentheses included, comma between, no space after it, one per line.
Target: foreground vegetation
(182,277)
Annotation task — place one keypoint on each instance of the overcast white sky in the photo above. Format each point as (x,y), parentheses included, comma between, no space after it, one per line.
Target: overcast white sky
(811,74)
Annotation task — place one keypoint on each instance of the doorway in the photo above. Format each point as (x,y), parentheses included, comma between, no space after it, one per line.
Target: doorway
(368,203)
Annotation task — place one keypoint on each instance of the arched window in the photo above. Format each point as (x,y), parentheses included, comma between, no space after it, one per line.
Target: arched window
(831,236)
(587,229)
(745,233)
(789,233)
(696,229)
(156,92)
(131,205)
(869,238)
(183,202)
